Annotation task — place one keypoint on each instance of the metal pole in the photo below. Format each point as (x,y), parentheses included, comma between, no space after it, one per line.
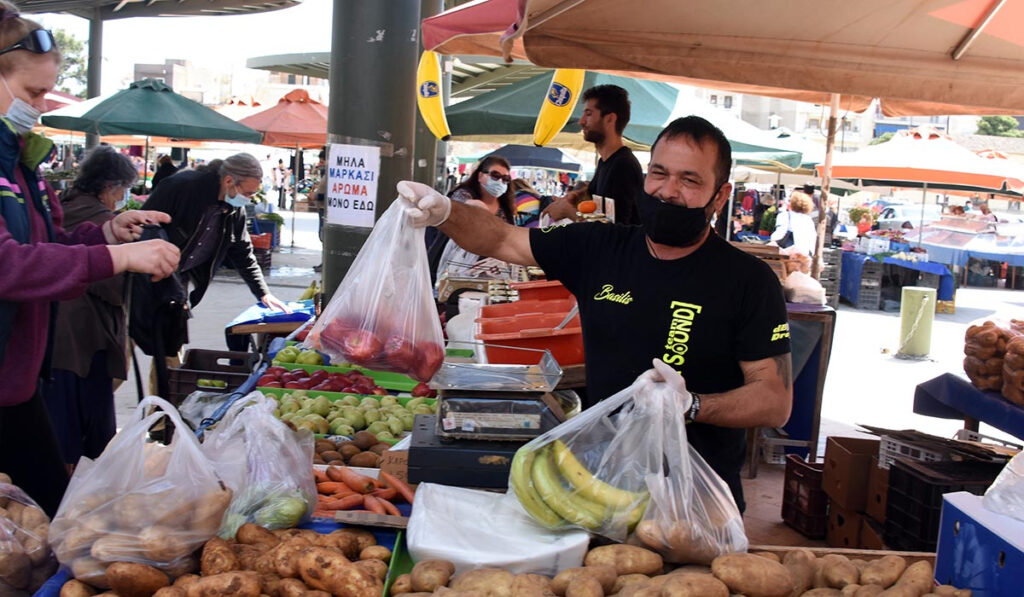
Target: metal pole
(145,164)
(826,184)
(374,43)
(295,191)
(924,199)
(426,152)
(95,67)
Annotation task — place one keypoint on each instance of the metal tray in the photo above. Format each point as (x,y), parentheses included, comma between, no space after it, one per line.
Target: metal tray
(477,374)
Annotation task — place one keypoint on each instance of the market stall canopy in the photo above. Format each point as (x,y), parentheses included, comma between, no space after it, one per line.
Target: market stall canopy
(920,57)
(149,107)
(955,240)
(296,121)
(509,114)
(747,174)
(924,156)
(529,156)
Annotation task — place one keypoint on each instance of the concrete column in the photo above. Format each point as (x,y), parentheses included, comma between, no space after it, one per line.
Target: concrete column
(374,48)
(95,67)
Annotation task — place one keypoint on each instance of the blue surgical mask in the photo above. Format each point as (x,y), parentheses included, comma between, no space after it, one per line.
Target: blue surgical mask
(496,188)
(20,113)
(123,200)
(236,200)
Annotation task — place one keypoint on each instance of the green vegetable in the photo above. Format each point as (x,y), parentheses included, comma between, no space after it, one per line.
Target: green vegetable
(281,513)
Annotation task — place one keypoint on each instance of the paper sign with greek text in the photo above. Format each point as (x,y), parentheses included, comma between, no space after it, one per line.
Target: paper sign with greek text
(352,173)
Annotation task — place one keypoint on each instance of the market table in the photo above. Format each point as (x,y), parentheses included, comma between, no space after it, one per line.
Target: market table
(853,265)
(265,324)
(950,396)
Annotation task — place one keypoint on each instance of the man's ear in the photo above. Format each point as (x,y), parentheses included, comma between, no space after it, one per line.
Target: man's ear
(721,197)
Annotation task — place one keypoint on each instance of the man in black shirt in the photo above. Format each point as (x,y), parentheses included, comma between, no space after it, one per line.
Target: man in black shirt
(669,289)
(618,177)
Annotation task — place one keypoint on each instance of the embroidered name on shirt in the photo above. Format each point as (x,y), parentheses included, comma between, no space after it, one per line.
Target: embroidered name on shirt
(607,293)
(676,346)
(780,332)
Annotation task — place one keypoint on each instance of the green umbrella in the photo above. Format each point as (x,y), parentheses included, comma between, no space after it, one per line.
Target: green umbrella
(508,115)
(150,107)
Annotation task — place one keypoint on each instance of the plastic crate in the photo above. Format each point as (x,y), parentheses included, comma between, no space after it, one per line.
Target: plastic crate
(889,449)
(804,503)
(262,257)
(869,299)
(262,241)
(215,365)
(914,505)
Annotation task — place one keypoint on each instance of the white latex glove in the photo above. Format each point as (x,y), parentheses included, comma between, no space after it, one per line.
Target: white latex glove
(423,205)
(664,373)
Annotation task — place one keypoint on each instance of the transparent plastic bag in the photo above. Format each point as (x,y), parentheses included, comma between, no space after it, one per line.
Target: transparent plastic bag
(265,464)
(140,501)
(26,560)
(802,288)
(382,316)
(1013,372)
(1006,494)
(625,465)
(985,345)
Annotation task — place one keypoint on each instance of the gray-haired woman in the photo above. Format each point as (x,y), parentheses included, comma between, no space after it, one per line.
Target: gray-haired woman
(208,225)
(89,336)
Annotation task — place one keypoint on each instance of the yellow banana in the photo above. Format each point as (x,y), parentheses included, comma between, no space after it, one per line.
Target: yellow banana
(309,292)
(560,101)
(522,484)
(590,486)
(565,503)
(428,95)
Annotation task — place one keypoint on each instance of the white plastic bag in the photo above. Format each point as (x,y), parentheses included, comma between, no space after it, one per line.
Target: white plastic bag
(802,288)
(140,501)
(26,560)
(382,315)
(482,529)
(266,465)
(1006,494)
(624,461)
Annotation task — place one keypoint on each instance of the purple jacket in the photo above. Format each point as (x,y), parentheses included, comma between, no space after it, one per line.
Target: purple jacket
(33,276)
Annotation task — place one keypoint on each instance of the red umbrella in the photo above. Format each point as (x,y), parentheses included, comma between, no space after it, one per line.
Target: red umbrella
(296,121)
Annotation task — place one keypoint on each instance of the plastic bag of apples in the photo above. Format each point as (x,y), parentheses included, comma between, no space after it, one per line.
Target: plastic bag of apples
(382,315)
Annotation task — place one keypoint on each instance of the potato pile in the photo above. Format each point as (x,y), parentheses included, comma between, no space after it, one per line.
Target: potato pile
(25,558)
(1013,371)
(362,450)
(631,571)
(985,346)
(282,563)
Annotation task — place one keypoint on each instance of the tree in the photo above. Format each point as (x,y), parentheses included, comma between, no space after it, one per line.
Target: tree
(881,139)
(1000,126)
(72,77)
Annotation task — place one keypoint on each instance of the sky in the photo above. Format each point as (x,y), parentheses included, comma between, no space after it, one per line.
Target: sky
(218,43)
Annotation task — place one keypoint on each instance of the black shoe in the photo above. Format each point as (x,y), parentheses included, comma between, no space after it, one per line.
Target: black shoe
(318,268)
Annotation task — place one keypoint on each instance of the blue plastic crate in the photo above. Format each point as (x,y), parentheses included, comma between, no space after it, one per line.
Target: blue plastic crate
(979,549)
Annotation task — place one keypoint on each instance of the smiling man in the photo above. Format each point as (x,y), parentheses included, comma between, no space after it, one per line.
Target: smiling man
(669,289)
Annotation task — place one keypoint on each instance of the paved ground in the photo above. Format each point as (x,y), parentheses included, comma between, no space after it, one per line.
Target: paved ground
(865,384)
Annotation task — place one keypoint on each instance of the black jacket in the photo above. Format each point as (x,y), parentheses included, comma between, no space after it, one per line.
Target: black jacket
(164,171)
(187,197)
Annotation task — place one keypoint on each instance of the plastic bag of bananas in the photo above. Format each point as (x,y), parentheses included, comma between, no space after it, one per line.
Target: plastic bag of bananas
(623,469)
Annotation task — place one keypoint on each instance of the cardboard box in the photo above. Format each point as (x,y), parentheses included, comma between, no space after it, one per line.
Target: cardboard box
(843,527)
(878,491)
(871,535)
(396,463)
(979,549)
(847,467)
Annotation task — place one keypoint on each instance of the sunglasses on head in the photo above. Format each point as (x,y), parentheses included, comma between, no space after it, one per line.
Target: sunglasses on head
(38,41)
(499,176)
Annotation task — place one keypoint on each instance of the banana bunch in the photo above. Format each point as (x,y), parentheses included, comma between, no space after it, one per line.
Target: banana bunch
(309,292)
(557,490)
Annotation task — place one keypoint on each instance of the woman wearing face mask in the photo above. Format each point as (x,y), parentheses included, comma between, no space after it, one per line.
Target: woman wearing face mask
(42,262)
(89,336)
(488,188)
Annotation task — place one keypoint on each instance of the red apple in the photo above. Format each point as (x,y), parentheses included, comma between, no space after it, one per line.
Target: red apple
(306,383)
(265,379)
(295,385)
(301,336)
(379,391)
(322,387)
(361,389)
(430,356)
(275,371)
(421,389)
(399,353)
(319,375)
(272,384)
(361,346)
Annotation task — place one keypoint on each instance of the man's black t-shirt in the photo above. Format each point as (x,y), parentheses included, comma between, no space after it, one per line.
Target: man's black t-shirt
(701,314)
(619,178)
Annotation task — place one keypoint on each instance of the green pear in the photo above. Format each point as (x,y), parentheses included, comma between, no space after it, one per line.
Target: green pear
(388,400)
(289,406)
(321,423)
(355,416)
(369,403)
(309,357)
(349,400)
(423,409)
(303,423)
(287,416)
(339,427)
(407,421)
(412,404)
(371,415)
(395,425)
(321,405)
(383,435)
(303,412)
(378,426)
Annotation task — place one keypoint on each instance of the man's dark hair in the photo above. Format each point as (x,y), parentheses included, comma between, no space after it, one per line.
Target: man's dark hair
(104,167)
(701,131)
(611,99)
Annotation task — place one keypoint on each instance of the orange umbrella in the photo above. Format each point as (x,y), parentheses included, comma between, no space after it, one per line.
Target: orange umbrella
(296,121)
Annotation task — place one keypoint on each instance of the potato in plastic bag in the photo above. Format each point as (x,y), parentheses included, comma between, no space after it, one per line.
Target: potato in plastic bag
(265,464)
(382,316)
(139,501)
(26,560)
(624,466)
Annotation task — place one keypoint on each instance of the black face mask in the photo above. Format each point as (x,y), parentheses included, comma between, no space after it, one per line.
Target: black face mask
(673,225)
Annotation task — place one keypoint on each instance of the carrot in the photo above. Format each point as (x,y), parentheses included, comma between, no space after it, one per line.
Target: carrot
(320,476)
(358,483)
(388,493)
(330,487)
(333,473)
(389,507)
(402,487)
(345,503)
(373,505)
(323,513)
